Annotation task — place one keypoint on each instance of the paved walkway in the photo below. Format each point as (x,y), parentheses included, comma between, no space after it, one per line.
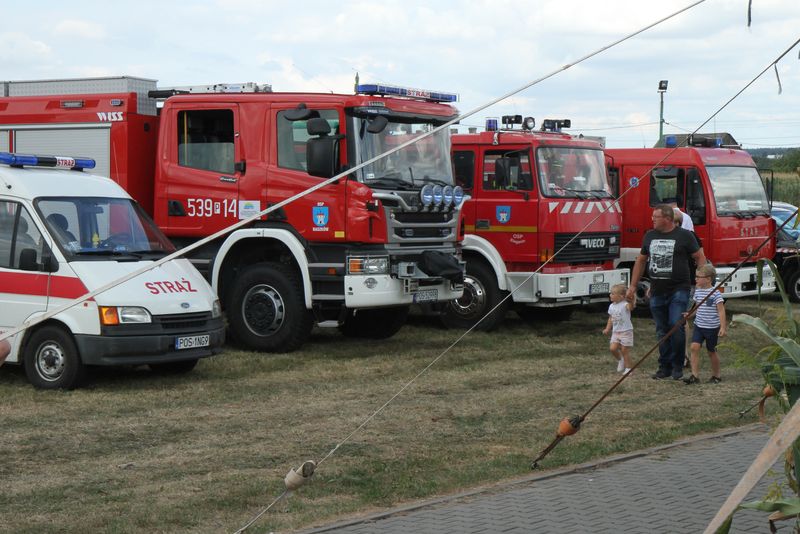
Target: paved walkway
(672,489)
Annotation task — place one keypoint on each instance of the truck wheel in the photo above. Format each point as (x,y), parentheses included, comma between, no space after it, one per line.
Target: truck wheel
(266,310)
(481,294)
(52,360)
(173,368)
(533,315)
(378,323)
(793,286)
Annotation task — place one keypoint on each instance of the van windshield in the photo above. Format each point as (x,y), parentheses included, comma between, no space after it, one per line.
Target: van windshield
(738,191)
(94,226)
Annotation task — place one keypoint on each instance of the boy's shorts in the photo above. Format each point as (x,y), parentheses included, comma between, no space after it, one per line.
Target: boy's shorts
(624,338)
(710,335)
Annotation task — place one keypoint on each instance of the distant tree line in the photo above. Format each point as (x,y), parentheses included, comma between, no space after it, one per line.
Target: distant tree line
(789,160)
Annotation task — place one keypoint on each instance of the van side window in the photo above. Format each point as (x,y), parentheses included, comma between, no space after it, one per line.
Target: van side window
(17,233)
(292,137)
(205,140)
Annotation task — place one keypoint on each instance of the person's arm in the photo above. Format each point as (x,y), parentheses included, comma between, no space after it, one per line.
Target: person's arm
(609,324)
(699,257)
(723,322)
(636,275)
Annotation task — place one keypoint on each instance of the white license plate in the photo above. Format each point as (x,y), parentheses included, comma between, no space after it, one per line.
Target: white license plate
(426,295)
(191,342)
(595,289)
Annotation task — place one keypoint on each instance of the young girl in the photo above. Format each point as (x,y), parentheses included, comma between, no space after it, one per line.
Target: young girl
(709,324)
(621,328)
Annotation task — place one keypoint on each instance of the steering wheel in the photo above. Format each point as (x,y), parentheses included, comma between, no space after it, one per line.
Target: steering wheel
(115,239)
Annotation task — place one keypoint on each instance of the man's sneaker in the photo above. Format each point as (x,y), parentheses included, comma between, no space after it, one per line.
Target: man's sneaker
(677,376)
(714,380)
(620,365)
(691,380)
(660,375)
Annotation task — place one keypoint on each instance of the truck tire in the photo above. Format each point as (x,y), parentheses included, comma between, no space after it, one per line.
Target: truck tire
(173,368)
(378,323)
(52,360)
(792,286)
(266,310)
(481,294)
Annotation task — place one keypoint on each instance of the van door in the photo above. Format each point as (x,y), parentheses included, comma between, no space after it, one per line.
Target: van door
(23,293)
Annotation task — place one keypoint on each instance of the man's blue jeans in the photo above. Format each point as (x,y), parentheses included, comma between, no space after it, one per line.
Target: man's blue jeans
(667,310)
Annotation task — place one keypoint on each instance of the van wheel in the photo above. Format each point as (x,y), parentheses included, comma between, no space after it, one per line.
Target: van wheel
(378,323)
(173,368)
(793,286)
(481,294)
(266,310)
(52,360)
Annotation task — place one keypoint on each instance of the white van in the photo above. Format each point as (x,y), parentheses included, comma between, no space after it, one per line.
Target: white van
(65,233)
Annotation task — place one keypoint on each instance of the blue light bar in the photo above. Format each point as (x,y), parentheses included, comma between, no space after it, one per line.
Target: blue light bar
(408,92)
(63,162)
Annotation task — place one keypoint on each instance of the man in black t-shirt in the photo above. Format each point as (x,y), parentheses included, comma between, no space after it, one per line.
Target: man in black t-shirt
(666,250)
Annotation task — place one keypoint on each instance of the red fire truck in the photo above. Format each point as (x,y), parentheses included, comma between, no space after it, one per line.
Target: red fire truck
(721,190)
(531,193)
(382,239)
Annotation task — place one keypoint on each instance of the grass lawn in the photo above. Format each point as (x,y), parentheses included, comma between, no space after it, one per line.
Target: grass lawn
(136,452)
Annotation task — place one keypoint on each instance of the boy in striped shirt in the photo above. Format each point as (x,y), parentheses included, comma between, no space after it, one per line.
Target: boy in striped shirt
(709,324)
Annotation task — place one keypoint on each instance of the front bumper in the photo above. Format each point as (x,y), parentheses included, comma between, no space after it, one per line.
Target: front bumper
(565,289)
(744,282)
(139,349)
(374,291)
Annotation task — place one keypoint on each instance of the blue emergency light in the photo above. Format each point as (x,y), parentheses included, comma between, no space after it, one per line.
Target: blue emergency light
(64,162)
(408,92)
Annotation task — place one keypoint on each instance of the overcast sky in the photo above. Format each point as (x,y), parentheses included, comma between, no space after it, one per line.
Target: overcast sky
(480,49)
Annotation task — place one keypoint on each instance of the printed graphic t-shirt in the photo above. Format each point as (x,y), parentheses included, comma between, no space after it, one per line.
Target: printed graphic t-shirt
(668,259)
(620,316)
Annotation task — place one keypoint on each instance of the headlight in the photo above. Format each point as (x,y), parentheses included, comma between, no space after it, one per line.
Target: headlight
(368,265)
(113,315)
(458,195)
(216,309)
(563,285)
(438,193)
(448,195)
(426,195)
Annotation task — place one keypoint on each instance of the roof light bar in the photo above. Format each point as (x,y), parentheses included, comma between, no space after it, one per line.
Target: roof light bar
(555,125)
(408,92)
(64,162)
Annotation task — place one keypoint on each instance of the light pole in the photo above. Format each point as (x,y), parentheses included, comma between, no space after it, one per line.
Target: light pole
(662,88)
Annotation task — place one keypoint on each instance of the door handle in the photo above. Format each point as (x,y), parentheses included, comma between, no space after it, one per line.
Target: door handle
(228,179)
(482,224)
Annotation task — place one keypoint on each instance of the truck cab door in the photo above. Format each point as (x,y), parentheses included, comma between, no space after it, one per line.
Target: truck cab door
(464,169)
(321,215)
(506,211)
(200,175)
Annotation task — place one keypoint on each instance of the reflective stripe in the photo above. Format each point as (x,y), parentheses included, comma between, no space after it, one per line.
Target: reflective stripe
(24,283)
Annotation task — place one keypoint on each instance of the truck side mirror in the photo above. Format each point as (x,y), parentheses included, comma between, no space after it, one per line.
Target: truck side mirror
(322,152)
(27,260)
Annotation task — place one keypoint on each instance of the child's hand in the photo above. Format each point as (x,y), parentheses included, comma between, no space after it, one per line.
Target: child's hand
(722,331)
(606,330)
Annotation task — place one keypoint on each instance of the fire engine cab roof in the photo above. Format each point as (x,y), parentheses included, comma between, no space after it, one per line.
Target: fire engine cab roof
(520,137)
(33,182)
(683,156)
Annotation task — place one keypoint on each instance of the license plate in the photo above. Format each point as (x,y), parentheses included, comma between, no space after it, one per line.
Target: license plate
(426,295)
(191,342)
(595,289)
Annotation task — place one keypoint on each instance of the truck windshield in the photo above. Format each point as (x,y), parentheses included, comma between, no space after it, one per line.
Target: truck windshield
(425,161)
(738,191)
(94,226)
(572,172)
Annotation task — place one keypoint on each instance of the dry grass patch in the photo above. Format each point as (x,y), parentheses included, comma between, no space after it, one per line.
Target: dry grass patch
(137,452)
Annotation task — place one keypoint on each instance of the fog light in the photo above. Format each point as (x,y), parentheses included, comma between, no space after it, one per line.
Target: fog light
(370,282)
(625,278)
(563,285)
(598,277)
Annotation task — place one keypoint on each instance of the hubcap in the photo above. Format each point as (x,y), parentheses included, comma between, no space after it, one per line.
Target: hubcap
(473,299)
(263,310)
(50,361)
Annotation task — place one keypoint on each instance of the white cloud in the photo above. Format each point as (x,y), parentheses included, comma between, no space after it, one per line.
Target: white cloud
(16,47)
(83,29)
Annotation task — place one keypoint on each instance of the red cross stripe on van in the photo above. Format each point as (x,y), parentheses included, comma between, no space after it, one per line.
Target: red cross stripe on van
(66,287)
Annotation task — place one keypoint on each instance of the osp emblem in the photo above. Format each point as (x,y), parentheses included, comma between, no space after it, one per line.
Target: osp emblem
(503,214)
(320,215)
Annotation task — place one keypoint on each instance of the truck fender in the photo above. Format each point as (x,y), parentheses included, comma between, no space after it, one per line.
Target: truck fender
(63,320)
(285,237)
(478,245)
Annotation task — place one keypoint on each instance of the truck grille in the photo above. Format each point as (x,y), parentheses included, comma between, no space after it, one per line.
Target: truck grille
(180,321)
(589,247)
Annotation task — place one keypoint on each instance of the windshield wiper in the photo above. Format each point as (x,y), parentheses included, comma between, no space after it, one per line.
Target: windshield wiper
(117,254)
(390,180)
(436,181)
